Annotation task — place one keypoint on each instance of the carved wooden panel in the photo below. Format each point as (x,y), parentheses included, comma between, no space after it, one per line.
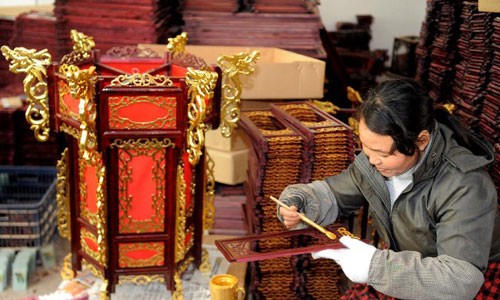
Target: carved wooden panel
(246,249)
(140,255)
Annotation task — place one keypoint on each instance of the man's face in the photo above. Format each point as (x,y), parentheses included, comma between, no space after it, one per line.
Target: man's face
(378,148)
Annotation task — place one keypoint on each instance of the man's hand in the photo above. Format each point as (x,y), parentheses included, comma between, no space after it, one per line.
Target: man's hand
(290,216)
(354,259)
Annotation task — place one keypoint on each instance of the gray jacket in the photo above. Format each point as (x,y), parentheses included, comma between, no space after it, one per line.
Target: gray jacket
(442,230)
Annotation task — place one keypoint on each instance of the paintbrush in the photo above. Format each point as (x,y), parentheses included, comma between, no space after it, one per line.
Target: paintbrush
(303,217)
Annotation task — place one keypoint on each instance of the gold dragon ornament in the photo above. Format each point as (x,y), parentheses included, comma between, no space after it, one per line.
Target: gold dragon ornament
(34,64)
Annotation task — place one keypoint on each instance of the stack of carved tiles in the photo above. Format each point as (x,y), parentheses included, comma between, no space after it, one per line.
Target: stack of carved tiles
(276,159)
(332,141)
(332,150)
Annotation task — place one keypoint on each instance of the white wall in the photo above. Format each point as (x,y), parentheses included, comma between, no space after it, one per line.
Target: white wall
(24,3)
(391,18)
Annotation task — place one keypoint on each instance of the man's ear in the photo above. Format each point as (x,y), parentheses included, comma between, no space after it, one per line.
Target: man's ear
(423,139)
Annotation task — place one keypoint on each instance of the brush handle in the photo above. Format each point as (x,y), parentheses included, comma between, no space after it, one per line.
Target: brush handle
(302,216)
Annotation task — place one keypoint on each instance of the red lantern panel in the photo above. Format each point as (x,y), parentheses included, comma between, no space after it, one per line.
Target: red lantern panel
(139,255)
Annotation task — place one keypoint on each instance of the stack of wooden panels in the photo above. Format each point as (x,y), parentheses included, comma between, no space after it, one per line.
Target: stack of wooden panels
(217,5)
(490,118)
(229,205)
(6,32)
(283,6)
(118,22)
(441,71)
(293,143)
(36,30)
(474,45)
(276,159)
(297,32)
(473,62)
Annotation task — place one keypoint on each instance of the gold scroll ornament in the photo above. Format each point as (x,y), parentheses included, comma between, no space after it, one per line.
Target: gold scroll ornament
(82,47)
(34,64)
(82,86)
(178,44)
(62,197)
(201,90)
(232,67)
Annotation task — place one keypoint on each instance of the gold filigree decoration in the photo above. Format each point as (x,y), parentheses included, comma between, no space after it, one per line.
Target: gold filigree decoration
(190,243)
(72,131)
(180,213)
(181,268)
(354,96)
(232,67)
(103,291)
(167,104)
(87,235)
(178,293)
(141,279)
(67,272)
(201,90)
(143,143)
(208,206)
(128,150)
(262,123)
(344,232)
(102,213)
(82,47)
(178,43)
(450,107)
(63,89)
(325,106)
(205,261)
(62,197)
(97,219)
(34,64)
(82,86)
(131,51)
(156,260)
(192,188)
(141,79)
(186,60)
(93,269)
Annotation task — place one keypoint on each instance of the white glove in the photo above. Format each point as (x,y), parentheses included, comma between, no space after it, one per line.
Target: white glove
(354,259)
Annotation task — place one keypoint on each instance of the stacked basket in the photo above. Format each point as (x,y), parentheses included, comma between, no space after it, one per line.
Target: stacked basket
(332,142)
(28,210)
(291,143)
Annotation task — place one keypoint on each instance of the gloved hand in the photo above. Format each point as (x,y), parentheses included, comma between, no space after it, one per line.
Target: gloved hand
(354,259)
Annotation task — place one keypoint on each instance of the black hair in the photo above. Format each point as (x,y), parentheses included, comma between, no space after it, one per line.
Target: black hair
(401,109)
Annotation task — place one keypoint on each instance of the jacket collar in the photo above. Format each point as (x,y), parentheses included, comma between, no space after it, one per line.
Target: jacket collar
(445,147)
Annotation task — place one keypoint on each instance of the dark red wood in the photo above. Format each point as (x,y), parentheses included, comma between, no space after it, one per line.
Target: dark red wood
(240,249)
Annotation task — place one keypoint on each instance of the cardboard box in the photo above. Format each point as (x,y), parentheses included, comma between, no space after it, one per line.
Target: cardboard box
(489,5)
(230,167)
(215,140)
(279,74)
